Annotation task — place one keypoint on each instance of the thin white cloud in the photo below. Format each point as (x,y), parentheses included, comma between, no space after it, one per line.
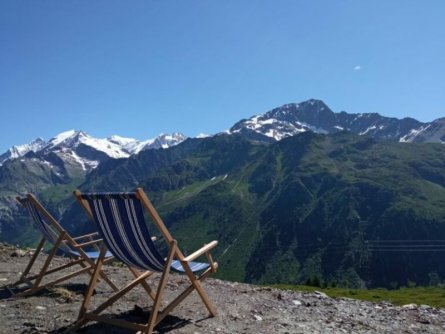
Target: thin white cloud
(357,68)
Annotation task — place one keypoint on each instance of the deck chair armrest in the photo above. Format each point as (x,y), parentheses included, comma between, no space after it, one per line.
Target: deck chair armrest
(88,243)
(201,251)
(86,236)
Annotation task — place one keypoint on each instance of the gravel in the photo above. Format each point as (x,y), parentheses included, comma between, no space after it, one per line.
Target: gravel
(242,308)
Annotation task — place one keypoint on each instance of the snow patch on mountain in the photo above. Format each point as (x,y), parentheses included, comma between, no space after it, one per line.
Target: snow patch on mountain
(314,115)
(20,150)
(81,148)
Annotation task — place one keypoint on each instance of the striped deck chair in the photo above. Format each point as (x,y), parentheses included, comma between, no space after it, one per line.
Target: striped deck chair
(120,220)
(62,242)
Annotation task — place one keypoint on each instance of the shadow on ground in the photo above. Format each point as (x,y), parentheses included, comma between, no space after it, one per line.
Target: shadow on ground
(7,292)
(136,315)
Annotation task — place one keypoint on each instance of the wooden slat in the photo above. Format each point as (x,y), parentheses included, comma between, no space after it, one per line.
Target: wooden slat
(86,236)
(201,251)
(88,243)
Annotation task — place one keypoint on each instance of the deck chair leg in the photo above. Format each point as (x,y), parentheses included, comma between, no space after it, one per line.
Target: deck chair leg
(182,296)
(108,281)
(92,265)
(33,259)
(47,262)
(121,292)
(102,274)
(93,282)
(85,317)
(197,285)
(144,284)
(152,321)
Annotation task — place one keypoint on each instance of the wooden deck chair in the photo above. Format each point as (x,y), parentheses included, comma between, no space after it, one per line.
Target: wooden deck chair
(53,233)
(120,220)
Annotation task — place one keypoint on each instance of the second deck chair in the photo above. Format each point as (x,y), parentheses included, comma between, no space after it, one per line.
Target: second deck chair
(53,233)
(120,220)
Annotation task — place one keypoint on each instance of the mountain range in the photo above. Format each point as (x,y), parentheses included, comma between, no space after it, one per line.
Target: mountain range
(285,121)
(314,115)
(294,194)
(88,151)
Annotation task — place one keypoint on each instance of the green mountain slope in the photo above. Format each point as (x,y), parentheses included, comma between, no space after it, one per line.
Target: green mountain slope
(309,207)
(52,178)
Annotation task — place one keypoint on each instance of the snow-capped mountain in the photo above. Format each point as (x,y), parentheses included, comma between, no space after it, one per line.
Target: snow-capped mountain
(164,141)
(315,115)
(429,132)
(20,150)
(77,147)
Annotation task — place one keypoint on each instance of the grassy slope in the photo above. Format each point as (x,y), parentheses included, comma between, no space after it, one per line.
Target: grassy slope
(295,209)
(304,207)
(432,296)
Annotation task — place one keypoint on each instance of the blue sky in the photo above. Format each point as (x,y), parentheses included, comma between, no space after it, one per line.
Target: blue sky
(139,68)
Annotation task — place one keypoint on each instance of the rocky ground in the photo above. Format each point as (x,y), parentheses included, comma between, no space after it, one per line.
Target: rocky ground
(242,308)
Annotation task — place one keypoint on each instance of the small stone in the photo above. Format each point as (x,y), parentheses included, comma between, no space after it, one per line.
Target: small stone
(41,308)
(18,253)
(424,321)
(257,317)
(321,294)
(3,279)
(296,302)
(377,307)
(411,306)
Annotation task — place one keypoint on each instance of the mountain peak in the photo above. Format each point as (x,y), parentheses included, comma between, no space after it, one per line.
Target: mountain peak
(17,151)
(314,115)
(289,120)
(67,138)
(78,146)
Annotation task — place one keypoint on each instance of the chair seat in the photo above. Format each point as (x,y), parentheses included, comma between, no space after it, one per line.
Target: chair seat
(194,266)
(92,255)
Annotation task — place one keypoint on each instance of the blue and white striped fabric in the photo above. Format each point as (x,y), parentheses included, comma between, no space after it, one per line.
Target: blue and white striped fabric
(92,254)
(45,227)
(194,266)
(120,221)
(51,234)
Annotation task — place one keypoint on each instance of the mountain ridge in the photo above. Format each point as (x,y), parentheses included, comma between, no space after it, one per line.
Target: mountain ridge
(114,146)
(314,115)
(306,204)
(276,124)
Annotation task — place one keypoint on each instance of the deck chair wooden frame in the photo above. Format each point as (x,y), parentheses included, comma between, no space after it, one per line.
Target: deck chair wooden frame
(54,234)
(175,261)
